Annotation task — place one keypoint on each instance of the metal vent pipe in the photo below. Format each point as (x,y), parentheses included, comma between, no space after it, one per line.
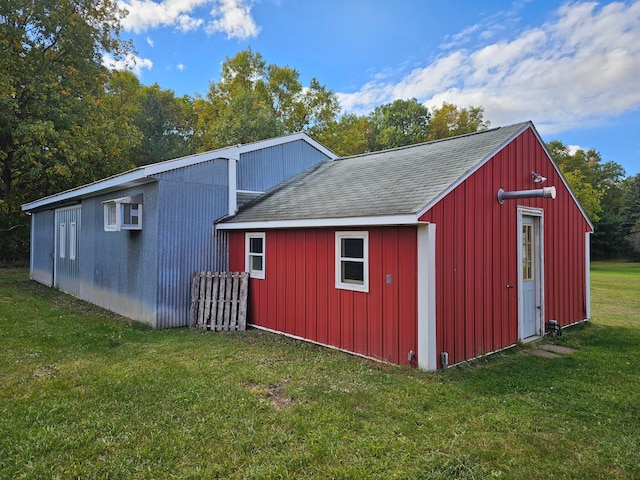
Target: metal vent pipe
(546,192)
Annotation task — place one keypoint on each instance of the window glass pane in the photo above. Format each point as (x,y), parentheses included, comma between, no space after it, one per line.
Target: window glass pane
(63,240)
(353,272)
(112,215)
(130,214)
(255,245)
(353,247)
(72,241)
(256,263)
(527,252)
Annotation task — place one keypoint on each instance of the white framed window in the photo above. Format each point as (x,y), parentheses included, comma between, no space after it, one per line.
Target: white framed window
(123,214)
(352,261)
(256,250)
(62,240)
(73,241)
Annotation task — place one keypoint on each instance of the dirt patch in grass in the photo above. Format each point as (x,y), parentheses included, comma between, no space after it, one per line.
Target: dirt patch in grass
(46,371)
(274,393)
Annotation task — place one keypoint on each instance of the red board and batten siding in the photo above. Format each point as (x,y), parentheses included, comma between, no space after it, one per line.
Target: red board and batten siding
(298,295)
(476,253)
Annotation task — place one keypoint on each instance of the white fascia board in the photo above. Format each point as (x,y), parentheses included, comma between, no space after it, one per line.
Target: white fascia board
(117,182)
(251,191)
(322,222)
(272,142)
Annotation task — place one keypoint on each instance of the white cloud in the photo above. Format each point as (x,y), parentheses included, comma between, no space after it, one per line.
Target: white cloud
(147,14)
(232,17)
(578,68)
(130,62)
(150,41)
(180,67)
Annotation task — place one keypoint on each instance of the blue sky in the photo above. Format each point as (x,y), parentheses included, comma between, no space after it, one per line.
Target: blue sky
(573,68)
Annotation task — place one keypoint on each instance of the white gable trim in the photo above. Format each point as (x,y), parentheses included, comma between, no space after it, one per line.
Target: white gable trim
(564,181)
(322,222)
(473,170)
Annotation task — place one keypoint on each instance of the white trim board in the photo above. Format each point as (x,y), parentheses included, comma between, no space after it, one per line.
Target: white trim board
(387,220)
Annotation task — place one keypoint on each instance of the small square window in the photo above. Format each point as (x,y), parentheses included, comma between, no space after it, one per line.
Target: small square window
(131,216)
(352,261)
(123,214)
(255,262)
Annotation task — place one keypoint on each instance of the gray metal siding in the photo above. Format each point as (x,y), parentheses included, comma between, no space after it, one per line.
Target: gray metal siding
(67,228)
(186,243)
(263,169)
(42,246)
(119,269)
(213,172)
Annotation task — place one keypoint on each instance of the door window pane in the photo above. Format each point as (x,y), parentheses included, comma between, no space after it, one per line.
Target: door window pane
(527,252)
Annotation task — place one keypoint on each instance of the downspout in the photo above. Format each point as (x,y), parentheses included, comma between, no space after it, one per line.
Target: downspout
(232,165)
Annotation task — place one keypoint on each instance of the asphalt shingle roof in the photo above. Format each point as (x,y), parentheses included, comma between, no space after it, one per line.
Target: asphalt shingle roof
(392,182)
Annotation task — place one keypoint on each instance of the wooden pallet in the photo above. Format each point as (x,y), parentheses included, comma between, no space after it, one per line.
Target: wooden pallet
(219,300)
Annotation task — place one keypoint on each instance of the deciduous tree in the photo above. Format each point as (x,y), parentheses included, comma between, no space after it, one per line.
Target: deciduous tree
(252,101)
(51,78)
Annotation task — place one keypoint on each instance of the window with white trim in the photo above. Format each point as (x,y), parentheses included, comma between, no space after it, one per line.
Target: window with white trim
(352,261)
(123,214)
(110,217)
(255,248)
(73,241)
(62,242)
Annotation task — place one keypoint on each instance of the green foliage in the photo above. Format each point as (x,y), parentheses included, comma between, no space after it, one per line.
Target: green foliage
(450,120)
(396,124)
(166,124)
(630,214)
(51,79)
(346,136)
(87,394)
(253,101)
(599,188)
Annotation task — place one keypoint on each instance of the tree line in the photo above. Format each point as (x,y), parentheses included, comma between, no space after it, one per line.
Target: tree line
(66,119)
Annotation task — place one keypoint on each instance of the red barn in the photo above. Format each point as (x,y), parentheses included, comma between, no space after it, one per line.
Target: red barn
(426,255)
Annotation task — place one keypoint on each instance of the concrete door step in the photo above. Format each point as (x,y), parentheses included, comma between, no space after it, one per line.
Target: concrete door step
(559,349)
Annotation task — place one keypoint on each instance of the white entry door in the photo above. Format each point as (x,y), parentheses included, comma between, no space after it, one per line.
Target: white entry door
(530,278)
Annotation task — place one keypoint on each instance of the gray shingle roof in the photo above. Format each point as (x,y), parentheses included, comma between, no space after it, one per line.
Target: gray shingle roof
(401,181)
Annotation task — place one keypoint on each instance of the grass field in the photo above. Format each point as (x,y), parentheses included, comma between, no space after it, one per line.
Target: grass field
(86,394)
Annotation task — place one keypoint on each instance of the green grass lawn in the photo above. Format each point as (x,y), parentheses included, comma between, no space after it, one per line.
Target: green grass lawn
(86,394)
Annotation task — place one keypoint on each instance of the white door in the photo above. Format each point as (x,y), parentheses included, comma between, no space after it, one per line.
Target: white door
(530,279)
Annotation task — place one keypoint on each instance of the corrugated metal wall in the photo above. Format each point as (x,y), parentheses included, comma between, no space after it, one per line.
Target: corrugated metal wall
(67,228)
(42,247)
(263,169)
(119,268)
(476,251)
(146,275)
(189,201)
(298,295)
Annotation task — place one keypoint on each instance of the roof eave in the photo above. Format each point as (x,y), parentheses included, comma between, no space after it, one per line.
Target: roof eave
(141,175)
(385,220)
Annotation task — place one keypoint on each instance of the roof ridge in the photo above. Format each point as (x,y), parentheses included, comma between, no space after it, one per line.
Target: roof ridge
(430,142)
